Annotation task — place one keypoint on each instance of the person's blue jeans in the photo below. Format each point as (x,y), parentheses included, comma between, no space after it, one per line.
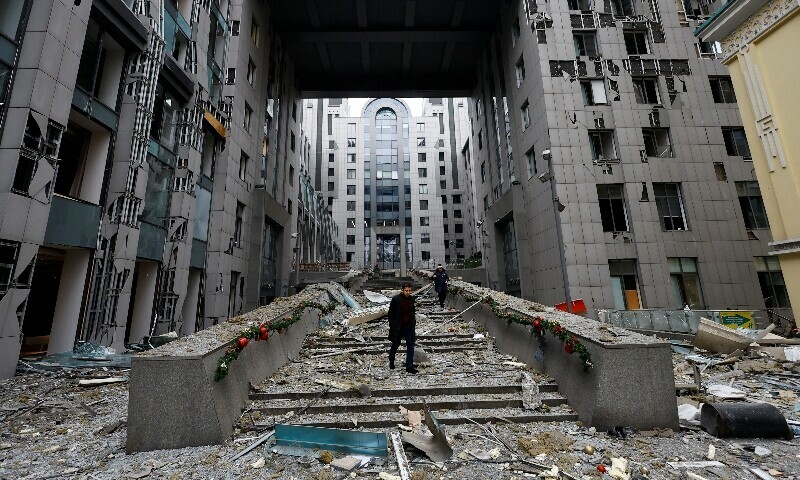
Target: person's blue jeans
(408,335)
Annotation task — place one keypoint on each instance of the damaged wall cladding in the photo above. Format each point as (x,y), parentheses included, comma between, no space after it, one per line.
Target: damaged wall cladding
(640,120)
(142,191)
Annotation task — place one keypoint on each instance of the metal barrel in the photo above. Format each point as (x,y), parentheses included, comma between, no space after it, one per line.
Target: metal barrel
(744,420)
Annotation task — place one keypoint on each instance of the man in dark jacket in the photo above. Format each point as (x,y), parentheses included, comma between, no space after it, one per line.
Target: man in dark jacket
(440,284)
(402,322)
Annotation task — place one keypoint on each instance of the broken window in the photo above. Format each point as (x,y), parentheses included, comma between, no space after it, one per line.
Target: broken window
(594,92)
(351,206)
(755,216)
(251,79)
(520,69)
(423,204)
(722,90)
(351,222)
(421,141)
(351,189)
(423,172)
(157,193)
(669,203)
(625,284)
(424,221)
(526,115)
(530,156)
(645,89)
(623,8)
(351,239)
(36,147)
(515,32)
(165,118)
(708,49)
(582,5)
(72,161)
(657,142)
(459,241)
(100,66)
(735,142)
(685,282)
(636,43)
(773,286)
(613,212)
(585,44)
(243,161)
(248,117)
(237,229)
(602,144)
(696,8)
(8,260)
(456,213)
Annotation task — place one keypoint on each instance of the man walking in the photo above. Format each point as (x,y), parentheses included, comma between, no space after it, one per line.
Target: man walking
(402,322)
(440,284)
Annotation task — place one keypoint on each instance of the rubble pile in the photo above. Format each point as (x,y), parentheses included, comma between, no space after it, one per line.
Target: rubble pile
(501,419)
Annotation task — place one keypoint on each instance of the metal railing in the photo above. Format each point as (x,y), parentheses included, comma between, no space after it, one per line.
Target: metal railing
(676,321)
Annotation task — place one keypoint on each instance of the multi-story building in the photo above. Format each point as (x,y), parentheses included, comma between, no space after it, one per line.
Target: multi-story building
(149,152)
(396,183)
(634,124)
(757,39)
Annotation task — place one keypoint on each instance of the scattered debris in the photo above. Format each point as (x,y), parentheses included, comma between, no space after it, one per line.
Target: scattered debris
(101,381)
(436,446)
(714,337)
(400,457)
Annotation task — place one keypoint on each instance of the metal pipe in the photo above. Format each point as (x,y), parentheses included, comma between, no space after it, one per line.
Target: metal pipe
(564,277)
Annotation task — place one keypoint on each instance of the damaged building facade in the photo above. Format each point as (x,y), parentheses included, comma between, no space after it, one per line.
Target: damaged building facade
(149,152)
(635,124)
(399,185)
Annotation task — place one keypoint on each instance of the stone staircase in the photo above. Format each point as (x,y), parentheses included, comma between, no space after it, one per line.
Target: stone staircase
(342,378)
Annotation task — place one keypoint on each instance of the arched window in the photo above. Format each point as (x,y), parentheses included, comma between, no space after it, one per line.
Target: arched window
(386,114)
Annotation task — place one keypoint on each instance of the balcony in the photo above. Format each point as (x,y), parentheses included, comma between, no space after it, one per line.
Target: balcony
(95,109)
(72,223)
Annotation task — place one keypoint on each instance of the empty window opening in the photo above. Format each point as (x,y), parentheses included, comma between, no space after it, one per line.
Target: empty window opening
(613,212)
(669,203)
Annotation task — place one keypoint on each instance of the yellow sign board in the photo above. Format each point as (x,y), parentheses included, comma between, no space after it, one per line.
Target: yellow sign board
(737,319)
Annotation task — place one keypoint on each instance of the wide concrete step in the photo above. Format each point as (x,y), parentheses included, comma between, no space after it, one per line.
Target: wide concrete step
(444,418)
(404,392)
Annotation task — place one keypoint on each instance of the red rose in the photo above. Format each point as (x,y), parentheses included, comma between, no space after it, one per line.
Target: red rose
(601,468)
(242,342)
(569,348)
(264,335)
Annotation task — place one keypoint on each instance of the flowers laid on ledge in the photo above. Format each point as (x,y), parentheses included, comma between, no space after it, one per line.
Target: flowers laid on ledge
(261,331)
(540,325)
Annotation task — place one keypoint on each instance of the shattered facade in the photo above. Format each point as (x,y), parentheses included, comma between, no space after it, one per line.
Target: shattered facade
(149,151)
(397,184)
(655,195)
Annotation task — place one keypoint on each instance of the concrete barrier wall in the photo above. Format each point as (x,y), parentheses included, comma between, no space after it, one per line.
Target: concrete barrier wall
(174,401)
(630,384)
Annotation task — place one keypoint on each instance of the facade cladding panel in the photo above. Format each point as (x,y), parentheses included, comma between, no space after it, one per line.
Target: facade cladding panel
(176,153)
(400,167)
(626,102)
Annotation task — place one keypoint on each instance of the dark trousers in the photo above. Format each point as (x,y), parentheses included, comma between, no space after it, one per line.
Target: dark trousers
(408,335)
(442,296)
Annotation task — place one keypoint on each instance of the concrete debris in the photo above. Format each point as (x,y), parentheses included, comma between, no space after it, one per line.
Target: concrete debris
(42,412)
(346,463)
(376,297)
(697,464)
(714,337)
(435,446)
(531,399)
(725,392)
(101,381)
(619,469)
(259,463)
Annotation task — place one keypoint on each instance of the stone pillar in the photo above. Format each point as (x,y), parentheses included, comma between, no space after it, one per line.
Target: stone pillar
(68,304)
(189,311)
(143,302)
